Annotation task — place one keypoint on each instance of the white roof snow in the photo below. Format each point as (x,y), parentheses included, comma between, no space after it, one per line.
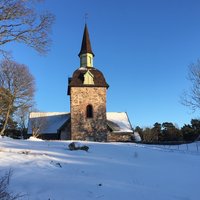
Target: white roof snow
(51,121)
(121,120)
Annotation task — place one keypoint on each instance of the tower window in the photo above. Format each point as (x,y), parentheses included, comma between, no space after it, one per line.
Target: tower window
(89,111)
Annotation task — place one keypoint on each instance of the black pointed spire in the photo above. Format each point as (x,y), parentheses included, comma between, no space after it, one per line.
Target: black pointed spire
(86,46)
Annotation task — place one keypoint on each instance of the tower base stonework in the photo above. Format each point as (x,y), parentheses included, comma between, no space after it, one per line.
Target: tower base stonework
(83,128)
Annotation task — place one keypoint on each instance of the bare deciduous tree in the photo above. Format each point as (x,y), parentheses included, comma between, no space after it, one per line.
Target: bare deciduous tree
(21,118)
(4,98)
(20,22)
(37,125)
(191,98)
(17,80)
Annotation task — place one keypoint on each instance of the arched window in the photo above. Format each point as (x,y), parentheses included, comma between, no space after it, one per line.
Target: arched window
(89,111)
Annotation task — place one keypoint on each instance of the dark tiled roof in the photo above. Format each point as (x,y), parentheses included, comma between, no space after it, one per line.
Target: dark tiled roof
(86,46)
(78,78)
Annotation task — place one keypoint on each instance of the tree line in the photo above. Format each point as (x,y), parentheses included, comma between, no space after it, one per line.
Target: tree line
(167,132)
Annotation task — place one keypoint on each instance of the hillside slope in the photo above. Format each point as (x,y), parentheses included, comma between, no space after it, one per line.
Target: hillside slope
(47,170)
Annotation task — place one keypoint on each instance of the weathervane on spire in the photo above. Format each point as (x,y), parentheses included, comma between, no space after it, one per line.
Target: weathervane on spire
(86,17)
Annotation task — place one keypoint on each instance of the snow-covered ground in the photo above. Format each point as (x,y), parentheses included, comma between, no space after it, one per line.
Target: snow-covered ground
(47,170)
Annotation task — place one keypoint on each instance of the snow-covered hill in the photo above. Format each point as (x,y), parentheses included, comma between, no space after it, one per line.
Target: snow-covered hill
(47,170)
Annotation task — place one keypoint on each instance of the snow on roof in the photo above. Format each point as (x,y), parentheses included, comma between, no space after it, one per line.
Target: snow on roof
(121,121)
(50,121)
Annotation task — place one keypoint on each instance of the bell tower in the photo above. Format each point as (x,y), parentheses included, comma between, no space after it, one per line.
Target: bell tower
(87,89)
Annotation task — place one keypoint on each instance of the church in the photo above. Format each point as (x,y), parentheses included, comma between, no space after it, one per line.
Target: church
(88,119)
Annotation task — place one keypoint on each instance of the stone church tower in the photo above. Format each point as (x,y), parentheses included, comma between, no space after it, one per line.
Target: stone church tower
(87,89)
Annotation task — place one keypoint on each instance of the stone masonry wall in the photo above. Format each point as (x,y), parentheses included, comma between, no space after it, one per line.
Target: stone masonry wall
(119,137)
(83,128)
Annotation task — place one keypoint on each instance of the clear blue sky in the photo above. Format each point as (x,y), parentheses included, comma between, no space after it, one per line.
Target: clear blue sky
(143,47)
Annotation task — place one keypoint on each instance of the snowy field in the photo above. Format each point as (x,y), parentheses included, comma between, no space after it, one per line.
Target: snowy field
(47,170)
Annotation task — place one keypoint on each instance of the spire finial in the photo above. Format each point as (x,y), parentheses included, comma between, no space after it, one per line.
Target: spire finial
(86,17)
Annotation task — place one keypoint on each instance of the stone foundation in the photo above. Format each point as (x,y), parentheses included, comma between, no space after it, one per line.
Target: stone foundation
(119,137)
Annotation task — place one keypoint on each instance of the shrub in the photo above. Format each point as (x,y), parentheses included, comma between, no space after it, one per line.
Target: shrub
(5,194)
